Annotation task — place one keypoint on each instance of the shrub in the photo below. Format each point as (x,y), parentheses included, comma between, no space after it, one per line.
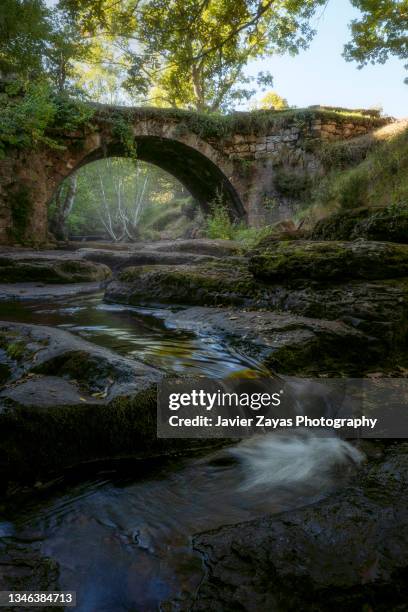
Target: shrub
(218,222)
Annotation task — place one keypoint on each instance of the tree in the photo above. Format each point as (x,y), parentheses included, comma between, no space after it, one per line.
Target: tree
(37,43)
(64,201)
(192,53)
(195,51)
(271,100)
(25,31)
(379,33)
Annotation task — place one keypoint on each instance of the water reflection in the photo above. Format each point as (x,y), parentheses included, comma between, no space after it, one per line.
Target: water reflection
(135,332)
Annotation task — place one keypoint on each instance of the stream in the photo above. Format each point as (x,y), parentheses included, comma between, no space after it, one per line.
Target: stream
(123,537)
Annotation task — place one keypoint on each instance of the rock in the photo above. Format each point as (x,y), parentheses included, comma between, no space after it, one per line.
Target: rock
(201,246)
(281,230)
(330,261)
(379,223)
(377,308)
(285,343)
(213,283)
(43,291)
(117,260)
(347,552)
(23,568)
(32,268)
(67,401)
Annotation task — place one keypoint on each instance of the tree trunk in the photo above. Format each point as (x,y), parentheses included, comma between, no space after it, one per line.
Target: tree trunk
(63,208)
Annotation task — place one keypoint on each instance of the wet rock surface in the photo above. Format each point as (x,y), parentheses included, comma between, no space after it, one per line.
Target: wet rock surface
(286,343)
(41,291)
(347,552)
(117,260)
(65,401)
(341,308)
(378,308)
(23,568)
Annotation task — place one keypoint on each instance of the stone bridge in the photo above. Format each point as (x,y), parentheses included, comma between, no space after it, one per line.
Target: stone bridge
(254,161)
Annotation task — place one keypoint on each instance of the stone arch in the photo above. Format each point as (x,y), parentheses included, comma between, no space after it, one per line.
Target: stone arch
(198,168)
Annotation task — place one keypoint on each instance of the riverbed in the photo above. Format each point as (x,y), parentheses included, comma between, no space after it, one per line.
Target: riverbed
(122,536)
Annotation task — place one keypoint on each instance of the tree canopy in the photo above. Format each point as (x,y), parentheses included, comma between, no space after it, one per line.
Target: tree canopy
(181,53)
(381,31)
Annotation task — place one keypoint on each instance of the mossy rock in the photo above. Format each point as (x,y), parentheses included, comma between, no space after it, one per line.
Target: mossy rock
(387,224)
(51,271)
(210,284)
(66,402)
(330,261)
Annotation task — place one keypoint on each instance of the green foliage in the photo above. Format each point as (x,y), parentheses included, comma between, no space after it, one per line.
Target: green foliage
(122,129)
(380,32)
(271,101)
(218,222)
(220,226)
(37,41)
(25,30)
(27,115)
(110,189)
(344,154)
(193,54)
(16,350)
(379,180)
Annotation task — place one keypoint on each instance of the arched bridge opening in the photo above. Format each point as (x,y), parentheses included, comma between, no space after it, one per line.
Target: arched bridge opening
(206,182)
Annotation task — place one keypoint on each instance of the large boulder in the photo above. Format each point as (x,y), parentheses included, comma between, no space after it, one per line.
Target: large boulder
(347,552)
(200,246)
(330,261)
(379,223)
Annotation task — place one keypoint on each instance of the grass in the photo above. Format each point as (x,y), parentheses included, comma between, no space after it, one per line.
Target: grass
(219,225)
(379,179)
(16,350)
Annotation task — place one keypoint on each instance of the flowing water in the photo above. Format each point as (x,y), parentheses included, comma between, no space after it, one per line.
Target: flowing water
(123,540)
(135,332)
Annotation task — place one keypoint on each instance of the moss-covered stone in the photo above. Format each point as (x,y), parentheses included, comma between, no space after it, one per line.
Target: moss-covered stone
(389,224)
(330,261)
(14,270)
(212,283)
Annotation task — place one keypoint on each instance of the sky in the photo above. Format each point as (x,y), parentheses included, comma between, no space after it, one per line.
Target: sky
(321,75)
